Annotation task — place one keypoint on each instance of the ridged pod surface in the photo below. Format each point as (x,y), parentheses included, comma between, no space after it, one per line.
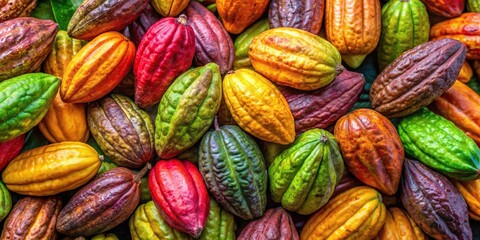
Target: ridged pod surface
(371,149)
(439,144)
(94,17)
(466,73)
(355,214)
(97,68)
(405,25)
(399,226)
(470,191)
(434,203)
(187,110)
(63,50)
(306,15)
(24,101)
(473,6)
(102,204)
(445,8)
(165,52)
(122,130)
(353,27)
(140,26)
(295,58)
(51,169)
(234,171)
(32,218)
(25,42)
(258,106)
(237,15)
(10,149)
(212,42)
(169,8)
(303,177)
(220,224)
(276,223)
(180,195)
(417,77)
(10,9)
(465,28)
(315,109)
(5,201)
(242,43)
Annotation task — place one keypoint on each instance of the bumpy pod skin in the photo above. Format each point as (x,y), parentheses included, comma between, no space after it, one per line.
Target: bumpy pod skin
(470,191)
(434,203)
(10,9)
(237,15)
(140,26)
(399,226)
(445,8)
(305,15)
(276,223)
(169,8)
(242,43)
(220,224)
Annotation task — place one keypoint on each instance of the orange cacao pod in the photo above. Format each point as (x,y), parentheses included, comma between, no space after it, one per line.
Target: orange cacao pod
(399,226)
(237,15)
(466,73)
(470,191)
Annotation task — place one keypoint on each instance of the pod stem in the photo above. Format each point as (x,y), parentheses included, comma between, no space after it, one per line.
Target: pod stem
(142,172)
(101,157)
(215,123)
(182,19)
(339,69)
(323,138)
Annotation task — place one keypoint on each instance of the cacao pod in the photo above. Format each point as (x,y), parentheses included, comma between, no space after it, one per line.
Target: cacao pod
(276,223)
(187,110)
(348,181)
(169,8)
(355,214)
(258,106)
(25,42)
(466,73)
(122,130)
(237,15)
(315,109)
(242,43)
(180,195)
(445,8)
(165,52)
(470,191)
(63,50)
(97,68)
(51,169)
(434,203)
(417,77)
(306,15)
(140,26)
(399,226)
(473,6)
(234,171)
(304,176)
(32,218)
(5,201)
(24,101)
(10,149)
(371,149)
(10,9)
(108,236)
(295,58)
(353,27)
(94,17)
(439,144)
(465,28)
(102,204)
(220,224)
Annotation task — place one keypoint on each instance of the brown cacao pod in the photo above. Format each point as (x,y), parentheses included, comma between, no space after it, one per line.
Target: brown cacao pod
(470,191)
(445,8)
(306,15)
(371,149)
(465,28)
(275,223)
(323,107)
(32,218)
(212,42)
(24,44)
(10,9)
(237,15)
(417,77)
(399,226)
(140,26)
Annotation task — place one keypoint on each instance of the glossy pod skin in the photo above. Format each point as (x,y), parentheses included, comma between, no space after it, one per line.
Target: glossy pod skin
(276,223)
(10,149)
(11,9)
(306,15)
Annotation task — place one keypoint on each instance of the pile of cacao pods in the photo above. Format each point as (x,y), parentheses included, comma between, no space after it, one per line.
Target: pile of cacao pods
(233,119)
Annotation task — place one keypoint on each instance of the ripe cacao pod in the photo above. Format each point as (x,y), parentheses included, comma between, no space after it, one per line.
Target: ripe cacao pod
(10,9)
(304,176)
(24,101)
(434,203)
(220,224)
(165,52)
(237,15)
(140,26)
(169,8)
(399,226)
(445,8)
(276,223)
(470,191)
(97,68)
(295,58)
(51,169)
(234,171)
(306,15)
(187,110)
(315,109)
(180,195)
(347,181)
(417,77)
(371,149)
(258,107)
(32,218)
(355,214)
(122,130)
(353,27)
(242,43)
(102,204)
(10,149)
(466,73)
(439,144)
(63,50)
(25,42)
(465,28)
(95,17)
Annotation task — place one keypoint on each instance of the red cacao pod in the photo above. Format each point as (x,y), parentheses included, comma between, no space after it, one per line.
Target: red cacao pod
(10,149)
(276,223)
(445,8)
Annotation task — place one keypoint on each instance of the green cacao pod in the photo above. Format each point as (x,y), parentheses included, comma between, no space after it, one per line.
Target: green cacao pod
(146,223)
(108,236)
(105,167)
(122,130)
(220,224)
(439,144)
(304,176)
(5,201)
(234,171)
(242,42)
(24,101)
(405,25)
(187,109)
(473,6)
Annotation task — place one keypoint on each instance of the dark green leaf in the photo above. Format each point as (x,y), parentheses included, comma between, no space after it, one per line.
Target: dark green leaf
(43,10)
(63,10)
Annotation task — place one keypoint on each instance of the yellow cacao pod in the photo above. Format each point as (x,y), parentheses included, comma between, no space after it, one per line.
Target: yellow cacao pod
(399,226)
(466,73)
(169,8)
(470,191)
